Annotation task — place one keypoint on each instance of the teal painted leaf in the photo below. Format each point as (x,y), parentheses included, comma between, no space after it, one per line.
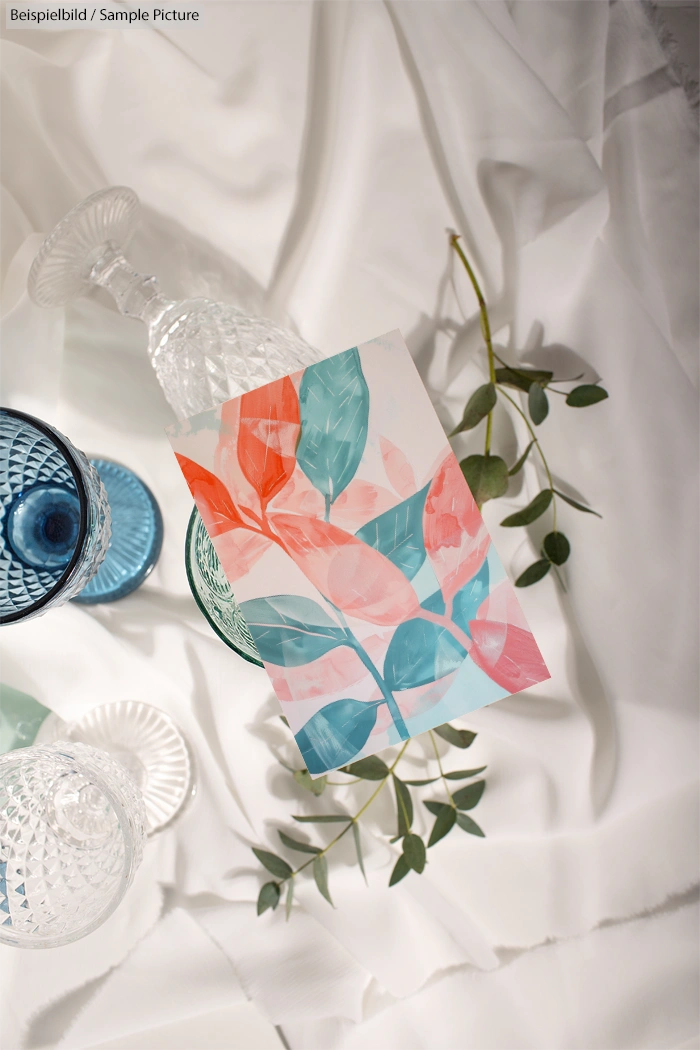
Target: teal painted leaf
(398,533)
(336,733)
(334,405)
(434,603)
(420,652)
(290,630)
(468,599)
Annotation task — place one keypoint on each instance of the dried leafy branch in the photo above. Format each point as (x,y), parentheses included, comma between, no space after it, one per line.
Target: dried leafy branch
(487,475)
(450,812)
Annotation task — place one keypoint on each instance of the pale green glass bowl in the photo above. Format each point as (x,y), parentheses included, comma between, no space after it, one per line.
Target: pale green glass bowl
(212,591)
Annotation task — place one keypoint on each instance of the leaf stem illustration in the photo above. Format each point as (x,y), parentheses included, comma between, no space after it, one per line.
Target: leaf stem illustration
(355,644)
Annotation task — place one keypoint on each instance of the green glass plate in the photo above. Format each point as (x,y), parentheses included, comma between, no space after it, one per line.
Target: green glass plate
(212,591)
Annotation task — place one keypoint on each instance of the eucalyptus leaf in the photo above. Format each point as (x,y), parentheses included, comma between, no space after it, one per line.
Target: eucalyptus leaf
(588,394)
(325,818)
(470,826)
(370,768)
(532,512)
(486,476)
(269,897)
(519,465)
(274,864)
(469,796)
(421,783)
(283,719)
(445,819)
(404,806)
(578,506)
(414,852)
(436,808)
(305,780)
(302,847)
(321,876)
(290,898)
(457,737)
(522,378)
(537,403)
(556,547)
(358,850)
(401,869)
(535,572)
(478,407)
(462,774)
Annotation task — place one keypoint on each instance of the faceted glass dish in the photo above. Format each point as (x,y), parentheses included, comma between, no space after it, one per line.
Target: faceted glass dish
(212,591)
(72,829)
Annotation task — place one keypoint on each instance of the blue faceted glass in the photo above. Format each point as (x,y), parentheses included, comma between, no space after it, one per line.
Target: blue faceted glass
(54,518)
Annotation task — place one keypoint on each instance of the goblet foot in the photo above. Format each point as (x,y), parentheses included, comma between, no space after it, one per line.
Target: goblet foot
(61,270)
(137,535)
(148,743)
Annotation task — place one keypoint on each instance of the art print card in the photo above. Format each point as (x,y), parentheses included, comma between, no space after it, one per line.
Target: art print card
(359,558)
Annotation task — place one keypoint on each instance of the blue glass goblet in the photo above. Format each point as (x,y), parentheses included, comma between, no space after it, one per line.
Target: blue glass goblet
(57,539)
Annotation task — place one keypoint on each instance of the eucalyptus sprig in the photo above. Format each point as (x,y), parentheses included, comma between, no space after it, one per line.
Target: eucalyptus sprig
(413,856)
(487,475)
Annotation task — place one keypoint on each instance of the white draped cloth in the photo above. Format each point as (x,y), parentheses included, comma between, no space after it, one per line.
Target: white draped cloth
(305,159)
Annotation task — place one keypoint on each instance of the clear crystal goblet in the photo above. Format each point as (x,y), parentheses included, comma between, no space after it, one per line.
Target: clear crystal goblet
(203,352)
(75,810)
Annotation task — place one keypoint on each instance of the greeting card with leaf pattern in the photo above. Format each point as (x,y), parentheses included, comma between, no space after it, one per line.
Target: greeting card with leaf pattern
(359,558)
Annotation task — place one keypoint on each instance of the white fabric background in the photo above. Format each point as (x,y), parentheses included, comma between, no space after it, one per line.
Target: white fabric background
(310,157)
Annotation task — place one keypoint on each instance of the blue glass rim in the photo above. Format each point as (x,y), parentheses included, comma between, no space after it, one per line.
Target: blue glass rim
(66,450)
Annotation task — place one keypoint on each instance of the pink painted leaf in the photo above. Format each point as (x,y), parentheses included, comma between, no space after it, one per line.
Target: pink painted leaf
(454,533)
(238,550)
(360,502)
(213,499)
(268,431)
(507,654)
(398,470)
(502,606)
(352,575)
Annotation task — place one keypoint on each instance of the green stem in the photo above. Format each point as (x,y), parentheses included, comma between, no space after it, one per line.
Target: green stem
(354,820)
(355,644)
(444,779)
(518,409)
(485,328)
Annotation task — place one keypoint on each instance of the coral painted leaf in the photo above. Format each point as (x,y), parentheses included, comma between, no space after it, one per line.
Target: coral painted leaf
(453,530)
(336,733)
(507,654)
(420,652)
(398,470)
(213,499)
(398,533)
(268,432)
(290,630)
(334,404)
(352,575)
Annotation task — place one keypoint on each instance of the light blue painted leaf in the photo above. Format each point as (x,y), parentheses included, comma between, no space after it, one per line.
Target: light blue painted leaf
(290,630)
(420,652)
(335,734)
(398,533)
(334,404)
(469,598)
